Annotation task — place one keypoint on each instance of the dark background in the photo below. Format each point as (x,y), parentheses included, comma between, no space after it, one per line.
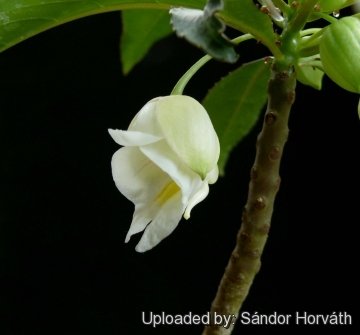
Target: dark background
(64,266)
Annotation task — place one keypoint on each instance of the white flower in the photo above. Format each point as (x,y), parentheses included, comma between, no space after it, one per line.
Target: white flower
(168,160)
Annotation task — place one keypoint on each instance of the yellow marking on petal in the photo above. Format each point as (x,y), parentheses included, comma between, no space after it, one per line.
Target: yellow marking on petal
(169,190)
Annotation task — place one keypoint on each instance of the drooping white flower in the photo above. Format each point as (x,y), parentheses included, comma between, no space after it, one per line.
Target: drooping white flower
(168,160)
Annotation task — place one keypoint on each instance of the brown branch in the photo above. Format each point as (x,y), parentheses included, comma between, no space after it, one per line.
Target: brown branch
(244,262)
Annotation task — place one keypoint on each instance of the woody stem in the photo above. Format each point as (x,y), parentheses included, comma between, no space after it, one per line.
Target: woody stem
(244,262)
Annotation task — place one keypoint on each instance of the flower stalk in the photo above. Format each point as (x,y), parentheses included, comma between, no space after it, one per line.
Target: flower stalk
(299,20)
(245,262)
(180,85)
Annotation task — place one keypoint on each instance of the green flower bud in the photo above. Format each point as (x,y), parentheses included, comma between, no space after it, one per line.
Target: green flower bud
(339,52)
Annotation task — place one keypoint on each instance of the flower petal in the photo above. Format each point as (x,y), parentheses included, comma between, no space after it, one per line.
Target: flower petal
(202,193)
(138,224)
(132,138)
(189,132)
(145,120)
(196,198)
(213,175)
(163,225)
(162,155)
(143,183)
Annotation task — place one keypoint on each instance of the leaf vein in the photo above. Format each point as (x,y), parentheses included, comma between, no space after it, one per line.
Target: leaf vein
(242,101)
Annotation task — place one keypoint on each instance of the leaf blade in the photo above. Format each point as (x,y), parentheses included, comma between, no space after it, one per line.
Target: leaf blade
(141,29)
(241,113)
(246,17)
(310,76)
(26,18)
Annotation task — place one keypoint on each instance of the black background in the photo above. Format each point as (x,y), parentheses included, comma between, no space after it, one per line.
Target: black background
(64,265)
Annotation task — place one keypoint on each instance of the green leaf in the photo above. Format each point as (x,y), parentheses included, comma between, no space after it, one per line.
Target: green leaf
(310,76)
(141,29)
(22,19)
(234,105)
(246,17)
(204,30)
